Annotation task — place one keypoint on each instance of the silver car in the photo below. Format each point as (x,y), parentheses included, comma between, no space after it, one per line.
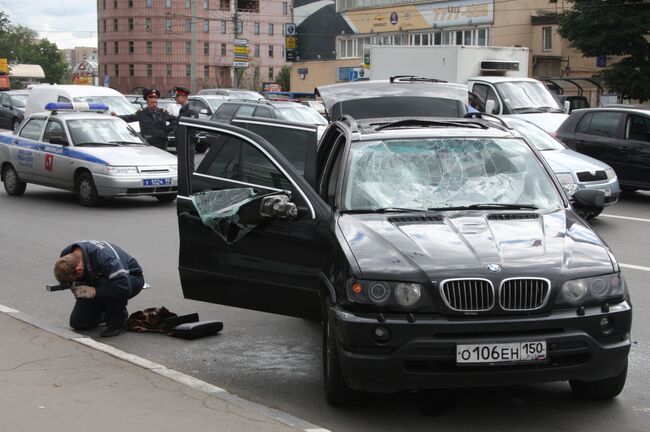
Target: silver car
(574,170)
(95,155)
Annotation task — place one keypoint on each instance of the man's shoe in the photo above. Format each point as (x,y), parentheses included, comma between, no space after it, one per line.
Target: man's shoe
(113,331)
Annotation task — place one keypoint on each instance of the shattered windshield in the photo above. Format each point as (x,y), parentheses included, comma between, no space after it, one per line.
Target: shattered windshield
(424,173)
(527,96)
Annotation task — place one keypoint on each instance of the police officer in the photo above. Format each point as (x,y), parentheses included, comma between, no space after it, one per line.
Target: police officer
(155,123)
(106,278)
(181,95)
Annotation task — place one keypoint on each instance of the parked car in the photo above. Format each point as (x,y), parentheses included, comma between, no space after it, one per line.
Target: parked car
(206,105)
(620,137)
(574,170)
(95,155)
(232,93)
(437,252)
(12,108)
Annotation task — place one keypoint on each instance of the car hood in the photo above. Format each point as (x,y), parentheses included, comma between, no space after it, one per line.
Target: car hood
(128,155)
(564,161)
(549,122)
(462,244)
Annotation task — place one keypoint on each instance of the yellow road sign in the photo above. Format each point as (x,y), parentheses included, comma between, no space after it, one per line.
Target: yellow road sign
(290,42)
(4,66)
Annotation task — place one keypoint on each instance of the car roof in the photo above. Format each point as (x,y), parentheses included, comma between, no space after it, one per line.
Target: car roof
(73,115)
(16,92)
(209,96)
(78,90)
(499,79)
(643,111)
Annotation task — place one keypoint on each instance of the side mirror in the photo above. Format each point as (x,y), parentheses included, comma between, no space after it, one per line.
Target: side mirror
(277,206)
(567,106)
(489,107)
(59,140)
(588,201)
(204,111)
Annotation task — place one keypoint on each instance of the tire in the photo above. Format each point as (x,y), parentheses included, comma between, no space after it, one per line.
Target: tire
(604,389)
(166,198)
(86,190)
(13,185)
(337,391)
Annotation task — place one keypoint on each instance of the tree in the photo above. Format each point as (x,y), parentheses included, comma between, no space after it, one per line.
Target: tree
(284,78)
(613,28)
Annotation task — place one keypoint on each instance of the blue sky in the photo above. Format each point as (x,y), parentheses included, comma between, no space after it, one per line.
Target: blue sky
(68,23)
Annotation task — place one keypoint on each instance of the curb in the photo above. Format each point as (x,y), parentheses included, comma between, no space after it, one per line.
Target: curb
(179,377)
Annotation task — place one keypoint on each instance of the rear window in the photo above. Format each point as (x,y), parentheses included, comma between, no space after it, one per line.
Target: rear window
(599,123)
(398,106)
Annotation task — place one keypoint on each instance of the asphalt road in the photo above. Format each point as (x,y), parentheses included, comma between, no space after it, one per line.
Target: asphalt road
(275,360)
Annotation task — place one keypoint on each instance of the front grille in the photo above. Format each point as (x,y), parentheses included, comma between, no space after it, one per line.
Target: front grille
(586,176)
(523,294)
(468,295)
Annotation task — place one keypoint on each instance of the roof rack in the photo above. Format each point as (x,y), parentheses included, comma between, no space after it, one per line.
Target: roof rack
(414,78)
(480,115)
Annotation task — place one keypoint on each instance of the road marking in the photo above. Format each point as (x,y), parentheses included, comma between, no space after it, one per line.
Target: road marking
(625,217)
(635,267)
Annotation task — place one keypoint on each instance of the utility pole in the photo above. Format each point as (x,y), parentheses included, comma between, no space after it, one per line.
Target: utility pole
(235,23)
(193,84)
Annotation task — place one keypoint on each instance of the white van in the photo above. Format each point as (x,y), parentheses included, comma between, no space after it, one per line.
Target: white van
(41,95)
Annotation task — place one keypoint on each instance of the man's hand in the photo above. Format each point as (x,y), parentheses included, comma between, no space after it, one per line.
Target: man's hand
(83,292)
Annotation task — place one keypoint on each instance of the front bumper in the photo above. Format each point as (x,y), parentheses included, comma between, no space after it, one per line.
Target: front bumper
(113,185)
(422,354)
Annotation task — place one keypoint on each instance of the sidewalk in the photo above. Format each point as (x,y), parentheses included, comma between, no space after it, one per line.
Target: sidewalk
(54,383)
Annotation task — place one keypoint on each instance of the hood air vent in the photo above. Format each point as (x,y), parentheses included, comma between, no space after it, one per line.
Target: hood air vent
(414,219)
(513,216)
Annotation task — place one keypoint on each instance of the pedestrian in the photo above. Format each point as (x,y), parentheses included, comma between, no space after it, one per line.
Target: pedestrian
(104,278)
(155,123)
(181,95)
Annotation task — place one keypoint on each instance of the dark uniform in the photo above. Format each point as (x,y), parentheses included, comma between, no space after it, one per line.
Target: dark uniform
(186,111)
(116,277)
(155,124)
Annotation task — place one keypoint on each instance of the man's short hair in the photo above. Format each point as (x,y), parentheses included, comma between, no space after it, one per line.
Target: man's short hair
(65,267)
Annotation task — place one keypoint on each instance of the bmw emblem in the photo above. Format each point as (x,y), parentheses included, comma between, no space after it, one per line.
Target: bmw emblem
(494,268)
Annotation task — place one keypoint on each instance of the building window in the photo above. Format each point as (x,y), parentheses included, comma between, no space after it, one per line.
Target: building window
(224,5)
(105,69)
(149,47)
(168,47)
(206,26)
(188,25)
(131,70)
(104,4)
(256,27)
(115,27)
(223,26)
(168,24)
(256,51)
(188,70)
(130,3)
(271,77)
(206,71)
(188,4)
(271,51)
(270,29)
(149,3)
(285,8)
(169,70)
(240,27)
(105,49)
(131,47)
(149,70)
(117,70)
(104,26)
(168,3)
(188,48)
(223,49)
(206,48)
(547,38)
(114,4)
(206,4)
(130,24)
(147,24)
(116,47)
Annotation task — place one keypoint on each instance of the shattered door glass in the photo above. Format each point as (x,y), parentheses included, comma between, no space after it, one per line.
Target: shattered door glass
(219,209)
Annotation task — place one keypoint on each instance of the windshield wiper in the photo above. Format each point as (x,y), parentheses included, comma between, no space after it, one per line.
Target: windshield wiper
(97,144)
(126,142)
(488,206)
(426,123)
(383,210)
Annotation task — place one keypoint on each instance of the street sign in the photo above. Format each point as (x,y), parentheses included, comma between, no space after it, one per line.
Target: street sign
(290,42)
(290,55)
(241,49)
(601,61)
(290,29)
(240,64)
(4,66)
(241,42)
(366,57)
(353,75)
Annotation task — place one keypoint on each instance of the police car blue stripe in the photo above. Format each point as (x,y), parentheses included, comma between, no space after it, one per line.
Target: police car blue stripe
(64,151)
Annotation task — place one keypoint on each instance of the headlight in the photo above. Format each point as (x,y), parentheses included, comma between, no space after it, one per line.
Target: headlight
(611,174)
(568,183)
(120,170)
(580,291)
(386,294)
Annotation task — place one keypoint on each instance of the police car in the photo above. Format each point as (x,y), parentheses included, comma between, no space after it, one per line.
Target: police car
(78,147)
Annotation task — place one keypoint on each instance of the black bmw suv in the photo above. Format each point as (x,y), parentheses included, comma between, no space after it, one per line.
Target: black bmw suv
(437,252)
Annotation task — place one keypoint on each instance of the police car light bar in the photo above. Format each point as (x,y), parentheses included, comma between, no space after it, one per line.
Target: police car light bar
(76,106)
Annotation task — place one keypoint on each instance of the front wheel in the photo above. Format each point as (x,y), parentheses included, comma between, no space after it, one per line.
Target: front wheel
(337,391)
(86,190)
(603,389)
(166,198)
(12,182)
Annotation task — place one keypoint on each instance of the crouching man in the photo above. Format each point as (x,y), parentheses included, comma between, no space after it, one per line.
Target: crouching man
(105,277)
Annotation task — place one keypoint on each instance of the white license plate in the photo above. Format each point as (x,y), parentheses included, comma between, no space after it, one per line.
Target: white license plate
(608,192)
(157,182)
(501,352)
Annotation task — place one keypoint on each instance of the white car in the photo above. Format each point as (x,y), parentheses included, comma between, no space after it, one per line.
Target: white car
(91,153)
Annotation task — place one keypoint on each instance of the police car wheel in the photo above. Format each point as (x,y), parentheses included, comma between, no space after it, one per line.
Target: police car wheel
(13,185)
(165,198)
(86,190)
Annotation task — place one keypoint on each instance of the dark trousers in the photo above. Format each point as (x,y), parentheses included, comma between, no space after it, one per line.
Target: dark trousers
(87,313)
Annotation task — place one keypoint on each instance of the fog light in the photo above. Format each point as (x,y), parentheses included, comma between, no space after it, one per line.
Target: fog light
(381,334)
(606,325)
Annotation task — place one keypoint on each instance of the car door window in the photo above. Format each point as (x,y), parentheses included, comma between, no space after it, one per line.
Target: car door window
(263,112)
(54,130)
(638,128)
(32,130)
(4,100)
(227,161)
(245,110)
(259,170)
(486,93)
(197,105)
(599,123)
(225,112)
(63,99)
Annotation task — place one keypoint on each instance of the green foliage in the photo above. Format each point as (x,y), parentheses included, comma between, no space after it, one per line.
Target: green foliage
(613,28)
(284,78)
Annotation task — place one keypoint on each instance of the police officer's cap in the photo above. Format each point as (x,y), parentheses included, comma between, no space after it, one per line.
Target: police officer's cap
(181,91)
(147,93)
